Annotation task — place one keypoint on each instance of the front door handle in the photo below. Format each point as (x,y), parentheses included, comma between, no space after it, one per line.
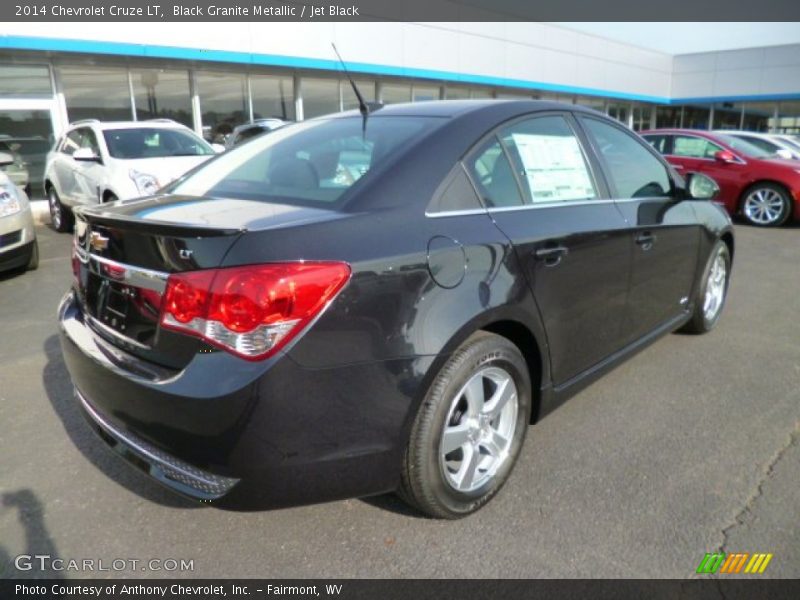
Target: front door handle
(645,240)
(551,255)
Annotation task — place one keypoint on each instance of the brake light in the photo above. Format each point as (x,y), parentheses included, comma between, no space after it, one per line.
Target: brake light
(251,311)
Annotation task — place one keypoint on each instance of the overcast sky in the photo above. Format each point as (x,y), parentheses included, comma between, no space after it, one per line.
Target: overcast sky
(681,38)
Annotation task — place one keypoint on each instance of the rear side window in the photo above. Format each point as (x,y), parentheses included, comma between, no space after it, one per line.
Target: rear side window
(634,171)
(659,142)
(549,159)
(314,162)
(493,175)
(690,146)
(456,193)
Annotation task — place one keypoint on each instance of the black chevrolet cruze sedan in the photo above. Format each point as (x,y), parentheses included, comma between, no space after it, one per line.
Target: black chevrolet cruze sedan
(353,306)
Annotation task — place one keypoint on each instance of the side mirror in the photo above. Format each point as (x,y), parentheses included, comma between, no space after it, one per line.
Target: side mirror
(701,187)
(724,156)
(6,159)
(218,148)
(85,154)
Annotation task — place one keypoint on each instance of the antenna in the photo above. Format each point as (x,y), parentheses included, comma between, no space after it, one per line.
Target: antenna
(363,107)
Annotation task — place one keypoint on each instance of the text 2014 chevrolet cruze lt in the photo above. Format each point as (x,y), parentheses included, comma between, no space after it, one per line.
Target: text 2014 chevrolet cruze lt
(348,307)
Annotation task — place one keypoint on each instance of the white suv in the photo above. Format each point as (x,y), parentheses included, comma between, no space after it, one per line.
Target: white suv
(101,162)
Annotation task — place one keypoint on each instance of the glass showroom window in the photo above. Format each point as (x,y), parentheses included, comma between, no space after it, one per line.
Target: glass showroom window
(162,94)
(454,92)
(696,117)
(273,97)
(423,93)
(320,97)
(668,116)
(92,93)
(25,82)
(727,115)
(641,117)
(396,92)
(482,93)
(223,103)
(759,116)
(365,86)
(789,119)
(598,104)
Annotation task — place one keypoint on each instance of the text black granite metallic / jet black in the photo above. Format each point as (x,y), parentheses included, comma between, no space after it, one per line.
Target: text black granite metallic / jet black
(345,308)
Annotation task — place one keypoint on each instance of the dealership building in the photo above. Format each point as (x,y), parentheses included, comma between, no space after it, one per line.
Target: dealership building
(214,76)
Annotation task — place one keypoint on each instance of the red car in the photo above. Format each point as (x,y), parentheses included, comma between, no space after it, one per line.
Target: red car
(764,190)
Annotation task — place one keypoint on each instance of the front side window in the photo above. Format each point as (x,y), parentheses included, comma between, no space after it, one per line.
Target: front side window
(635,172)
(549,159)
(690,146)
(308,163)
(140,142)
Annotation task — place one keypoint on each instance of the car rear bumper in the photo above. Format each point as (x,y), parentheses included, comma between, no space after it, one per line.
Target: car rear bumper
(260,434)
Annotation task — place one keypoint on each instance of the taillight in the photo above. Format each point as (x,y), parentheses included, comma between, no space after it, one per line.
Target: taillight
(251,311)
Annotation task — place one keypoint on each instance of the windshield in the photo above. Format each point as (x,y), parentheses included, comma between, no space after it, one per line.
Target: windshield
(744,147)
(313,162)
(142,142)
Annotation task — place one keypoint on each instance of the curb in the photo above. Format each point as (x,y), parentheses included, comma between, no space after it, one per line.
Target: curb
(41,212)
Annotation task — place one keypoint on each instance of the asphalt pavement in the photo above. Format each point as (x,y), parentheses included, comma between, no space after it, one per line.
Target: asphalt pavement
(688,448)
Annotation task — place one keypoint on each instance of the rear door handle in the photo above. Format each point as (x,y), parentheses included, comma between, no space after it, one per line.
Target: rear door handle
(646,240)
(551,255)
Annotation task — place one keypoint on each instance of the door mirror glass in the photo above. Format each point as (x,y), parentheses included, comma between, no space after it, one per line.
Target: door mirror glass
(86,154)
(725,157)
(6,159)
(701,187)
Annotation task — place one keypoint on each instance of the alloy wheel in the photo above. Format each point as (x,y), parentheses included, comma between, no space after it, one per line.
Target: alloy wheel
(479,429)
(764,206)
(55,209)
(715,288)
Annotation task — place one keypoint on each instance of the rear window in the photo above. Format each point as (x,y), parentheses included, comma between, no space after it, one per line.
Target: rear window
(314,162)
(140,142)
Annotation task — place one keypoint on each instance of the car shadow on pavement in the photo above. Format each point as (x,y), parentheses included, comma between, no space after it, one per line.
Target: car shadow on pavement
(393,503)
(58,386)
(30,514)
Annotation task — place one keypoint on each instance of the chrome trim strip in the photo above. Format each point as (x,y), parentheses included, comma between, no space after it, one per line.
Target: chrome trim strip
(134,276)
(540,205)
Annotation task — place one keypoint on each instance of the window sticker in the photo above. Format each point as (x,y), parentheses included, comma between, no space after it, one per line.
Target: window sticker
(554,167)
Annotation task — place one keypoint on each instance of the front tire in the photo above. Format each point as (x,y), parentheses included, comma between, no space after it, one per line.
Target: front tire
(469,429)
(60,215)
(33,261)
(766,205)
(712,291)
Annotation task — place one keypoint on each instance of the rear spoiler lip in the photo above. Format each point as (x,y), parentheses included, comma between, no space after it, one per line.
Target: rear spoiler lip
(91,213)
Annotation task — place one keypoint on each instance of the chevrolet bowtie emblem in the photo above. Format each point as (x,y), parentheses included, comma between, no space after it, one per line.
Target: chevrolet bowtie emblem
(97,241)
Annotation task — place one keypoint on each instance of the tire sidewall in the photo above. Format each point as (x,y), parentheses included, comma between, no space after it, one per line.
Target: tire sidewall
(719,248)
(486,353)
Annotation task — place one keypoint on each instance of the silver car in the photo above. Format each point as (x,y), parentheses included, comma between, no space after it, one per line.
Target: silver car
(18,245)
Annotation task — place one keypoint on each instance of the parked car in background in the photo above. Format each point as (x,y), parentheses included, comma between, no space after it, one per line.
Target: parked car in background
(33,151)
(96,162)
(18,245)
(753,183)
(248,131)
(17,170)
(347,307)
(773,144)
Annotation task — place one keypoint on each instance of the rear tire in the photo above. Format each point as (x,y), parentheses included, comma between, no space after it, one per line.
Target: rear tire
(33,261)
(712,291)
(60,216)
(469,429)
